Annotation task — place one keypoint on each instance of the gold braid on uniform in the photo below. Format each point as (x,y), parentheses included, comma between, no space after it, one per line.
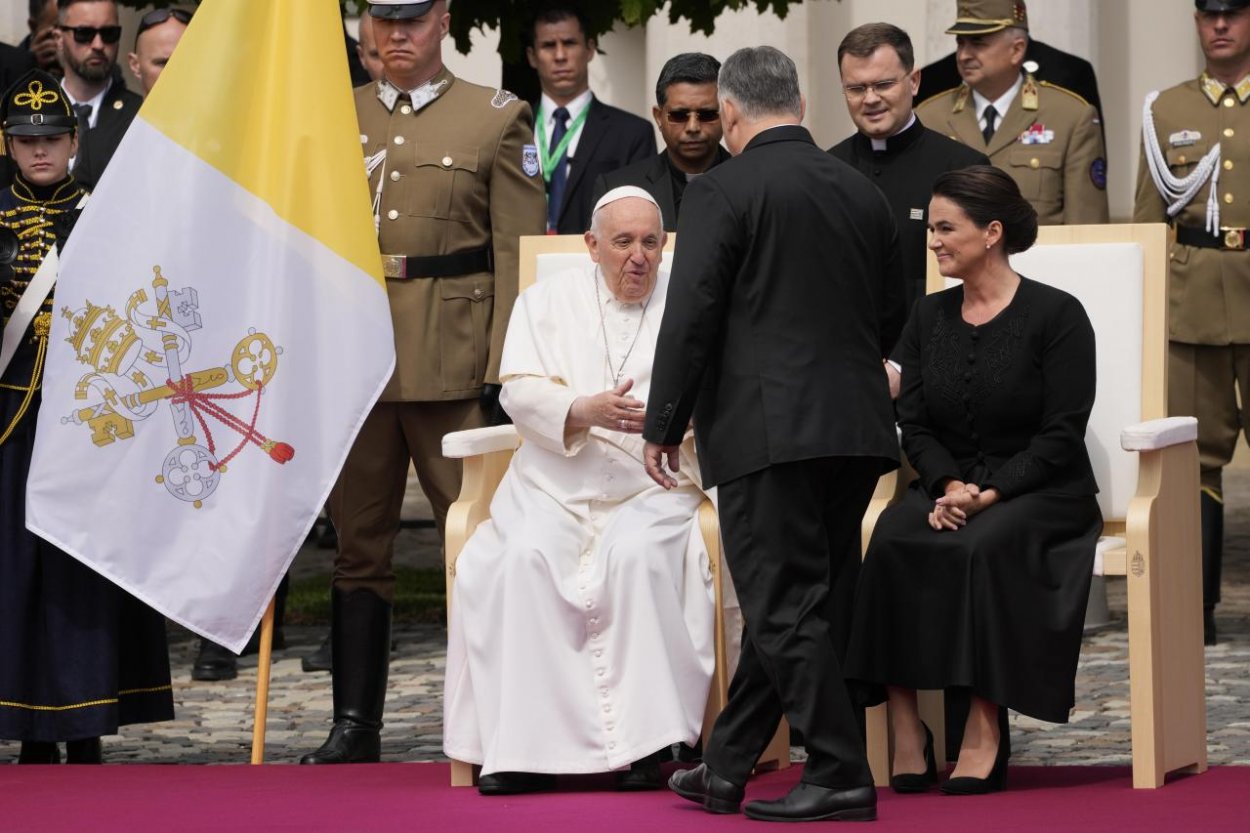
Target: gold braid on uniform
(32,214)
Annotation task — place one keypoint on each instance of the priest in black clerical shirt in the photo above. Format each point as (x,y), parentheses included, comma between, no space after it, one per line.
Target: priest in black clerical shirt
(688,116)
(892,148)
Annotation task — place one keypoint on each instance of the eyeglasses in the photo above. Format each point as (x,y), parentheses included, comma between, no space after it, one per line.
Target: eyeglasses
(855,92)
(86,34)
(683,115)
(158,16)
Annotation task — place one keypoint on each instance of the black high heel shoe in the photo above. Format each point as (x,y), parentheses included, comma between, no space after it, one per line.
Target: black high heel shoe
(918,782)
(997,779)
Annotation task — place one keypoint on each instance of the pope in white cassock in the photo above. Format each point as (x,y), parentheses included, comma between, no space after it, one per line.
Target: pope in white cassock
(581,635)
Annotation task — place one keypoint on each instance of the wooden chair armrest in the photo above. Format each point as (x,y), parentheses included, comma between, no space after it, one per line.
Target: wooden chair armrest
(461,444)
(1156,434)
(889,491)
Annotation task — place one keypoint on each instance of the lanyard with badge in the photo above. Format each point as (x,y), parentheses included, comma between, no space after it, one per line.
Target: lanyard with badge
(549,157)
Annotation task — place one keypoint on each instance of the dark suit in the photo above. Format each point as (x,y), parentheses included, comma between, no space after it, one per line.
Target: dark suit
(97,145)
(786,291)
(657,177)
(1053,65)
(610,139)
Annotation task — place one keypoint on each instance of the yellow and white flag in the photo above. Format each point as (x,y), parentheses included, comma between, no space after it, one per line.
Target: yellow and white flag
(222,325)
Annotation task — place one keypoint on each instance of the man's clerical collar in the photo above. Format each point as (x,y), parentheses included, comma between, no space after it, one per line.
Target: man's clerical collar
(895,141)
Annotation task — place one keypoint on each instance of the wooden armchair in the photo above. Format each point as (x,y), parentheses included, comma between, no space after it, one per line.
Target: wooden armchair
(487,452)
(1147,470)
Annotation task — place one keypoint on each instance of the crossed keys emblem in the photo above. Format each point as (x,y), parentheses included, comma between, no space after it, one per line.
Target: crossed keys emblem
(129,354)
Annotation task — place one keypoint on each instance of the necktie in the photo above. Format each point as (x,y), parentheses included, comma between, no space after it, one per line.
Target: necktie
(991,115)
(83,112)
(555,190)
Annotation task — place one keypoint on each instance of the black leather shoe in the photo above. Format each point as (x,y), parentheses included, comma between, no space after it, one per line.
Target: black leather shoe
(515,783)
(705,787)
(918,782)
(1208,626)
(643,774)
(808,802)
(318,660)
(349,743)
(85,751)
(214,663)
(996,780)
(39,752)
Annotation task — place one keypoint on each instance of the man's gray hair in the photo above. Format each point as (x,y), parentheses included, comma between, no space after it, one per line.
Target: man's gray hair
(762,81)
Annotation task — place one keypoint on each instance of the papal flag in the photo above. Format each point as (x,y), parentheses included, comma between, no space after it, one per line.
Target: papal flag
(221,324)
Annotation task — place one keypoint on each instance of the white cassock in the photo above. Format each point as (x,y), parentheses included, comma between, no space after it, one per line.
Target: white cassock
(581,634)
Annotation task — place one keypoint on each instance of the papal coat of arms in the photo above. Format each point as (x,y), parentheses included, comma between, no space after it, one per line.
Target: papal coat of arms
(137,362)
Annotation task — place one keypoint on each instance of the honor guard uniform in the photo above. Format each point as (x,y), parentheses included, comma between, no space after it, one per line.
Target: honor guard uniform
(78,656)
(1194,174)
(454,176)
(1048,139)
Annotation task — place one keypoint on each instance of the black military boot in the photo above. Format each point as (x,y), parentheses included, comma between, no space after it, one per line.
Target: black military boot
(1212,561)
(39,752)
(360,637)
(214,662)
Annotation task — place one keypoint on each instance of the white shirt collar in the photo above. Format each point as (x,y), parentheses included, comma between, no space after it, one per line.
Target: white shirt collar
(575,107)
(1000,104)
(882,144)
(95,103)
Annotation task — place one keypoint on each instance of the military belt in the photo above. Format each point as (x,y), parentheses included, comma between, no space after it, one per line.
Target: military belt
(1228,239)
(407,267)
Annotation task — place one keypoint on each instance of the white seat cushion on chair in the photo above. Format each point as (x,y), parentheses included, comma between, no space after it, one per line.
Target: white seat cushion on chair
(1106,544)
(1159,433)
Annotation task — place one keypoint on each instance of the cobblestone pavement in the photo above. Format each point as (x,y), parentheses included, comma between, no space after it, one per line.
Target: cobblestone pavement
(214,720)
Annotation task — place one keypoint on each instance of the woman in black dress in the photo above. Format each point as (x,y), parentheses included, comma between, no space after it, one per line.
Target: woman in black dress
(78,656)
(978,578)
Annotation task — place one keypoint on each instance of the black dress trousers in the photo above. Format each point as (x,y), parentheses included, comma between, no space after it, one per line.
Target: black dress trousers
(792,536)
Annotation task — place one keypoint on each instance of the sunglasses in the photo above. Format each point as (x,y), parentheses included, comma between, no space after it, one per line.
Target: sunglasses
(158,16)
(682,116)
(86,34)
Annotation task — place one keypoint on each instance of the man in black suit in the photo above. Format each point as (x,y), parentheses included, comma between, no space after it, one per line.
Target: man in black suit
(1042,61)
(900,155)
(688,116)
(88,54)
(579,137)
(786,293)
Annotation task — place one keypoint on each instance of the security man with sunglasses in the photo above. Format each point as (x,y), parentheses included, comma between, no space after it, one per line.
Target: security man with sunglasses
(688,116)
(90,33)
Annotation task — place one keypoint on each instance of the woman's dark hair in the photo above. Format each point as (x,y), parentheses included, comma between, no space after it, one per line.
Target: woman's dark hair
(986,194)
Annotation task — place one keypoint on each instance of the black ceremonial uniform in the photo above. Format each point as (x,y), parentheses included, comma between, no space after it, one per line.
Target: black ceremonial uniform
(78,657)
(905,171)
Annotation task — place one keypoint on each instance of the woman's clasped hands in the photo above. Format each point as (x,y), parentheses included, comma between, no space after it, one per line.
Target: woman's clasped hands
(961,502)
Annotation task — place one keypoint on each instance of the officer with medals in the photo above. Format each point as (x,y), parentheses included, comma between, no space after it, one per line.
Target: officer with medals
(1047,138)
(78,657)
(1195,175)
(454,175)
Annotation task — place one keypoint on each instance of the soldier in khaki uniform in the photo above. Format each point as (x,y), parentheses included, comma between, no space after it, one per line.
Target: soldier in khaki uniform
(1047,138)
(454,174)
(1194,173)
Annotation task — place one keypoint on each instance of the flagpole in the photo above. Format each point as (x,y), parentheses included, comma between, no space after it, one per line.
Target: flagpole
(261,714)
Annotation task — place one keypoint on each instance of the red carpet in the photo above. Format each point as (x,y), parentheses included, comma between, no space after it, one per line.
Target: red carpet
(415,797)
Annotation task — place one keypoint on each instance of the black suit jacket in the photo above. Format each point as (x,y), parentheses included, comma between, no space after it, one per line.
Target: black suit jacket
(785,293)
(1053,65)
(97,145)
(611,139)
(655,176)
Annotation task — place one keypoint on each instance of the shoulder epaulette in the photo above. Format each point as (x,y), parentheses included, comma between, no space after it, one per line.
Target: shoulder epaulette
(936,96)
(1077,96)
